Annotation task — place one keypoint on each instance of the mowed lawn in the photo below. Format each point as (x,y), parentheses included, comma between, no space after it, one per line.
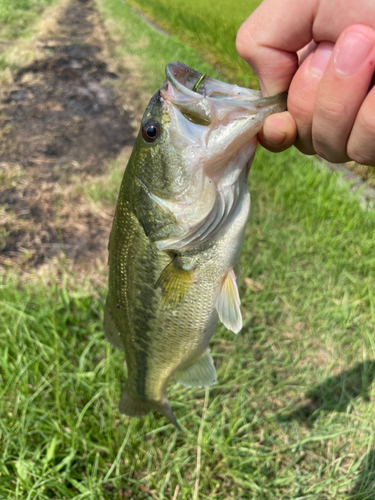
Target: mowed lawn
(208,26)
(292,414)
(17,16)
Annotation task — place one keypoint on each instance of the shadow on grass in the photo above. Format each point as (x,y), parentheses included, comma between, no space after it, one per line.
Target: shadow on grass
(364,488)
(335,394)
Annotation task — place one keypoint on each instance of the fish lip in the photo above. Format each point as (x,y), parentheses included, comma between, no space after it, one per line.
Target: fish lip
(182,78)
(179,75)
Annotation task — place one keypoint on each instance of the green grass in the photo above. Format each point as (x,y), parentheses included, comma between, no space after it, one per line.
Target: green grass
(150,49)
(105,190)
(18,26)
(17,16)
(210,27)
(292,414)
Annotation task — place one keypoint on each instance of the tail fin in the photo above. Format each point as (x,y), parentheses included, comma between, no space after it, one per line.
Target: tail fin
(133,406)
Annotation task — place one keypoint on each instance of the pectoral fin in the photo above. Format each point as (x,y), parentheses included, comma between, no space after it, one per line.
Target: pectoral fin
(228,304)
(174,282)
(202,373)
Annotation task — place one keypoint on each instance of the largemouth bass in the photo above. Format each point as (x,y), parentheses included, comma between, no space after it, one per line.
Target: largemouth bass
(177,233)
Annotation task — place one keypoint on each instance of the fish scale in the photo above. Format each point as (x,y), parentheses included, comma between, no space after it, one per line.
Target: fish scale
(177,234)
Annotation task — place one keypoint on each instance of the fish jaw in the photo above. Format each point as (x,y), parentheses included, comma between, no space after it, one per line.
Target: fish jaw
(218,123)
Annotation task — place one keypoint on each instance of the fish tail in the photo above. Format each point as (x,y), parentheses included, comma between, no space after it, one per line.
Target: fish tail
(166,410)
(133,406)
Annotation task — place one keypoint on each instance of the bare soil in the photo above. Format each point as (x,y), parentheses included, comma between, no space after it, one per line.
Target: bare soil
(62,121)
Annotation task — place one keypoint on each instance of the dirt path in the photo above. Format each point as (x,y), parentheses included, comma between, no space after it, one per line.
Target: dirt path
(62,122)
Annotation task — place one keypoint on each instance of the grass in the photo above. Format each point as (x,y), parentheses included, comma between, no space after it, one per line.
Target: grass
(21,23)
(367,173)
(17,16)
(292,413)
(104,191)
(209,27)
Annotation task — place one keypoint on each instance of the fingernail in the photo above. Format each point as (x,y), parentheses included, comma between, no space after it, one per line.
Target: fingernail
(321,57)
(352,53)
(263,88)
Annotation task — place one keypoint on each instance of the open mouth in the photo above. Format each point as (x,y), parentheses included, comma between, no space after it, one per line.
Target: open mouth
(183,79)
(213,98)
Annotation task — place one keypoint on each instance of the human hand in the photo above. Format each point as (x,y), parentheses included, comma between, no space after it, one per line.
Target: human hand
(323,53)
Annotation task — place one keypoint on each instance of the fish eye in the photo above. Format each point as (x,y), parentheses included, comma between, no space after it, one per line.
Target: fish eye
(151,131)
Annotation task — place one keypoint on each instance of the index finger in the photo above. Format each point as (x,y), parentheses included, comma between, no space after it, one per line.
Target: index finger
(277,29)
(269,39)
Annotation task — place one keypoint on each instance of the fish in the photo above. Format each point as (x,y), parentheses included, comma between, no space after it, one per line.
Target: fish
(177,233)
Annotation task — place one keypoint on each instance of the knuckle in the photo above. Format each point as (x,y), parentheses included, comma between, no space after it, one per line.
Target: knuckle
(328,146)
(360,155)
(332,156)
(244,41)
(367,123)
(240,40)
(320,148)
(329,111)
(329,127)
(299,107)
(361,144)
(305,147)
(328,150)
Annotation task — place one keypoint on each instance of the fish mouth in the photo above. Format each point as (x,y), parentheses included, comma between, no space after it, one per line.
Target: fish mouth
(203,105)
(213,133)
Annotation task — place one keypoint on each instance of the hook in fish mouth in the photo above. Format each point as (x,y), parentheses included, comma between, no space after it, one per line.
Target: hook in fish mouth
(199,105)
(184,79)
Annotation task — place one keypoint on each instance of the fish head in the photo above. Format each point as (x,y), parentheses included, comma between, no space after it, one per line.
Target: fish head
(156,161)
(195,147)
(216,125)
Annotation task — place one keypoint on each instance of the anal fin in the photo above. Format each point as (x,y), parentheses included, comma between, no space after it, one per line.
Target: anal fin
(228,303)
(202,373)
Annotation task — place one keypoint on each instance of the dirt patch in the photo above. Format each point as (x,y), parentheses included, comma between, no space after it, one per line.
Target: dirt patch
(61,122)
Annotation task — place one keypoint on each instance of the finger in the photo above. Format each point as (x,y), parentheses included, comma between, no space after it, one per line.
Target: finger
(279,132)
(302,94)
(361,144)
(306,51)
(341,91)
(271,36)
(269,42)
